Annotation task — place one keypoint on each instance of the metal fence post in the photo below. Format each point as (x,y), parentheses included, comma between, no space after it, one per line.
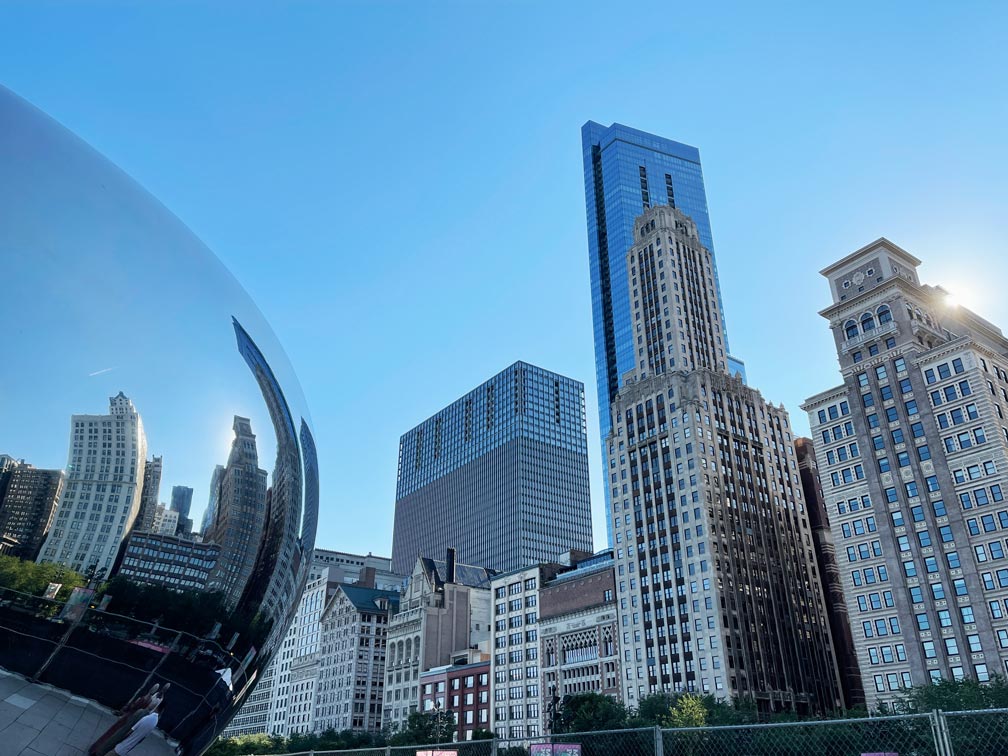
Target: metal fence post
(388,750)
(493,747)
(659,742)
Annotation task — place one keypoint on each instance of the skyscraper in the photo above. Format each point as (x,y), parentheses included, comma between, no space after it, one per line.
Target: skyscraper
(717,587)
(105,467)
(181,502)
(912,450)
(213,500)
(501,475)
(241,514)
(149,494)
(627,171)
(28,499)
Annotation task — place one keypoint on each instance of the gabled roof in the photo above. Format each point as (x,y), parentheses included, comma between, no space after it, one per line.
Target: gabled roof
(366,599)
(465,574)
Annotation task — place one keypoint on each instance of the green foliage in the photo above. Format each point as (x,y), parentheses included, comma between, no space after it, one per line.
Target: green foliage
(689,710)
(482,735)
(959,695)
(425,728)
(270,744)
(29,577)
(585,712)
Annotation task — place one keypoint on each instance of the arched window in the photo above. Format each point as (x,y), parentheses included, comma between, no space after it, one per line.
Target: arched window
(416,648)
(850,328)
(867,322)
(884,314)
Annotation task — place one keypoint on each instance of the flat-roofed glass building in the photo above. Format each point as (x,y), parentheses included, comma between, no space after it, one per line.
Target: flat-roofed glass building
(501,475)
(626,171)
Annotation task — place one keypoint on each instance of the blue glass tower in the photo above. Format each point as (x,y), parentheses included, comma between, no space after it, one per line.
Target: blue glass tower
(627,171)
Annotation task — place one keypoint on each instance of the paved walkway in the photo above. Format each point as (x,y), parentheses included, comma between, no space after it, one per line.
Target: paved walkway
(39,720)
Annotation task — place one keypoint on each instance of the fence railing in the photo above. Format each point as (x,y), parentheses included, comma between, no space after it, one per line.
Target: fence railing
(936,733)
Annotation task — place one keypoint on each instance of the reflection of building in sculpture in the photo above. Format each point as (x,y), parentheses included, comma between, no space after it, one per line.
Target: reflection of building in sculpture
(444,610)
(102,493)
(238,526)
(181,502)
(280,570)
(28,499)
(276,706)
(351,675)
(215,488)
(149,494)
(168,560)
(165,521)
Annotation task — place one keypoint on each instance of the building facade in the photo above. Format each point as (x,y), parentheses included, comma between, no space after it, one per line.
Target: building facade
(28,498)
(717,586)
(515,662)
(181,502)
(149,493)
(165,521)
(462,692)
(101,496)
(444,610)
(912,452)
(351,568)
(627,171)
(241,514)
(351,680)
(829,572)
(166,559)
(500,474)
(579,634)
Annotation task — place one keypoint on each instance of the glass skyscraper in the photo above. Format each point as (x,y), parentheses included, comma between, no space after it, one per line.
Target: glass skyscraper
(500,475)
(627,171)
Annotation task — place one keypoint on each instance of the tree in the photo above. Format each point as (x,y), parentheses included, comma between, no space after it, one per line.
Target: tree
(959,695)
(689,710)
(29,577)
(584,712)
(426,728)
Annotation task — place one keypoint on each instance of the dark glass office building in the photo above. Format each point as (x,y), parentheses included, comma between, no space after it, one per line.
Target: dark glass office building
(627,171)
(501,475)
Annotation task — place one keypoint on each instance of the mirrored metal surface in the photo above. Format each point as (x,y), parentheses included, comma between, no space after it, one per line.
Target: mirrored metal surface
(158,480)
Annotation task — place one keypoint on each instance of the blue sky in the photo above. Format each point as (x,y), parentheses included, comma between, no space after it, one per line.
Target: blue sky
(399,185)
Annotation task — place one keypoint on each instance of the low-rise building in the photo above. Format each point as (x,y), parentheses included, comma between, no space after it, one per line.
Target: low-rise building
(444,609)
(579,633)
(169,560)
(462,689)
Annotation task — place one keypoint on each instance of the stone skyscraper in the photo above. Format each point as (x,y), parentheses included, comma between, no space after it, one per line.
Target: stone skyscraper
(241,514)
(626,171)
(718,590)
(501,475)
(912,451)
(101,496)
(149,494)
(28,498)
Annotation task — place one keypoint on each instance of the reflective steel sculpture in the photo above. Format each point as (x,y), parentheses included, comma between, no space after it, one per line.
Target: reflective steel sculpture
(158,479)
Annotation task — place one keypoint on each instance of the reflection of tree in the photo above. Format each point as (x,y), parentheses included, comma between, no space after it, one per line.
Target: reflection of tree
(30,577)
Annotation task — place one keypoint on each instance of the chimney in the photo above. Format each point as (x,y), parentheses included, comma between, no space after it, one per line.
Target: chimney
(367,578)
(450,566)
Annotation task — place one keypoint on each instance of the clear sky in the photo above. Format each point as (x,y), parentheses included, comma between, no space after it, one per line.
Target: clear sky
(399,185)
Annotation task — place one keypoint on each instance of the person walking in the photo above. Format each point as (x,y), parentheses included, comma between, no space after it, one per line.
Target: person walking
(144,727)
(132,713)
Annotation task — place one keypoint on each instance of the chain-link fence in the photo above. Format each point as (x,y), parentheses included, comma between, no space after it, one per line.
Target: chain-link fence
(963,733)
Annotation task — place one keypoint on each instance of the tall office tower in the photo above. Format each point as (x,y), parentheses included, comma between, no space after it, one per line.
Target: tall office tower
(149,494)
(626,171)
(106,468)
(829,573)
(214,499)
(717,589)
(500,474)
(241,514)
(913,452)
(181,502)
(28,499)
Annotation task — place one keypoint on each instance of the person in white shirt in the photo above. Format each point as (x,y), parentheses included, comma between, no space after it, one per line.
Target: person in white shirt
(140,730)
